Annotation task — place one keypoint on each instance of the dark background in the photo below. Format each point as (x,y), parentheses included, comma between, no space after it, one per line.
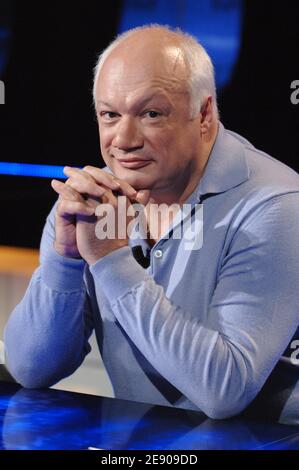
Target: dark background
(48,116)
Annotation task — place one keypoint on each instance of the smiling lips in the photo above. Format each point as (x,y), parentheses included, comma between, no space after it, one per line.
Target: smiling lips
(134,163)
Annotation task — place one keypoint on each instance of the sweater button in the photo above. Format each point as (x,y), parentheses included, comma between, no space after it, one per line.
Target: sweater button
(158,254)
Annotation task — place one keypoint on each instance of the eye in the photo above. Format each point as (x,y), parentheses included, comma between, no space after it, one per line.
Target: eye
(108,115)
(152,114)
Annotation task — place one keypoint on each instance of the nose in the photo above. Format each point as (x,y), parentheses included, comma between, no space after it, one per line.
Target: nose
(127,135)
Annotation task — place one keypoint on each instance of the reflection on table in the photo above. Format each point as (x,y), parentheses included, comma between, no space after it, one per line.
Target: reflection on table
(54,419)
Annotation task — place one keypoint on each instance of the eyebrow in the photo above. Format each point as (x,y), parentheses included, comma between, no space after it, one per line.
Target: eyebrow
(139,104)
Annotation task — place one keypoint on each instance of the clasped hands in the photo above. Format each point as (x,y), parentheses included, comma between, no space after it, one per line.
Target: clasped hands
(75,219)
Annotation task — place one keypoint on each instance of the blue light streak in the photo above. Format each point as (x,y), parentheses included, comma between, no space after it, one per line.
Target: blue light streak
(29,169)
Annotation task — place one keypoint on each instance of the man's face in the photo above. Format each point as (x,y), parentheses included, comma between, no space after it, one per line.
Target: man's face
(143,107)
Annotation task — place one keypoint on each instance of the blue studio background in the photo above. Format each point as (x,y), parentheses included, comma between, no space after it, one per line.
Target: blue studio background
(47,54)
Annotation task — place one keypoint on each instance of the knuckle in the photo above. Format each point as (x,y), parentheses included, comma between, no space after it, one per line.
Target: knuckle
(71,186)
(88,168)
(60,207)
(69,182)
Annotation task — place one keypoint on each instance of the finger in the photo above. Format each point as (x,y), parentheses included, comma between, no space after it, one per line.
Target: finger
(83,182)
(143,196)
(85,186)
(102,177)
(66,208)
(69,171)
(127,190)
(108,197)
(66,191)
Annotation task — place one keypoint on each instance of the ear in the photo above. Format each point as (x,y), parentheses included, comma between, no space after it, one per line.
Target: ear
(206,116)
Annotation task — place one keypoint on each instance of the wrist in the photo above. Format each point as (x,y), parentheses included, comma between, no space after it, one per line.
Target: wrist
(66,251)
(92,258)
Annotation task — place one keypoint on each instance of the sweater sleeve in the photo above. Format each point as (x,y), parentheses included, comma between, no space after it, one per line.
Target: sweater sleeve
(46,337)
(221,365)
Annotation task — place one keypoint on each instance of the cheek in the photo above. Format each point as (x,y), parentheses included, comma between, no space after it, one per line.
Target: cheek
(169,148)
(160,142)
(105,134)
(105,144)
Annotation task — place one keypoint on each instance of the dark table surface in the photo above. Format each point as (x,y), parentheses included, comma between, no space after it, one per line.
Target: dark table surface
(54,419)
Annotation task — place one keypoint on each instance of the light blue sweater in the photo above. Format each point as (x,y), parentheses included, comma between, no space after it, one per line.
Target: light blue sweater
(199,329)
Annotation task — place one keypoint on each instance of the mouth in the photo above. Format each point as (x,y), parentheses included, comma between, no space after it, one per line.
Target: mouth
(134,163)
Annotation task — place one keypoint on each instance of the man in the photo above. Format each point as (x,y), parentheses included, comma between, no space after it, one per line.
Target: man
(200,328)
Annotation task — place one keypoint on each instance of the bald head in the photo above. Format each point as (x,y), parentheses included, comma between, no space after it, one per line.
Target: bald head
(149,39)
(148,56)
(153,47)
